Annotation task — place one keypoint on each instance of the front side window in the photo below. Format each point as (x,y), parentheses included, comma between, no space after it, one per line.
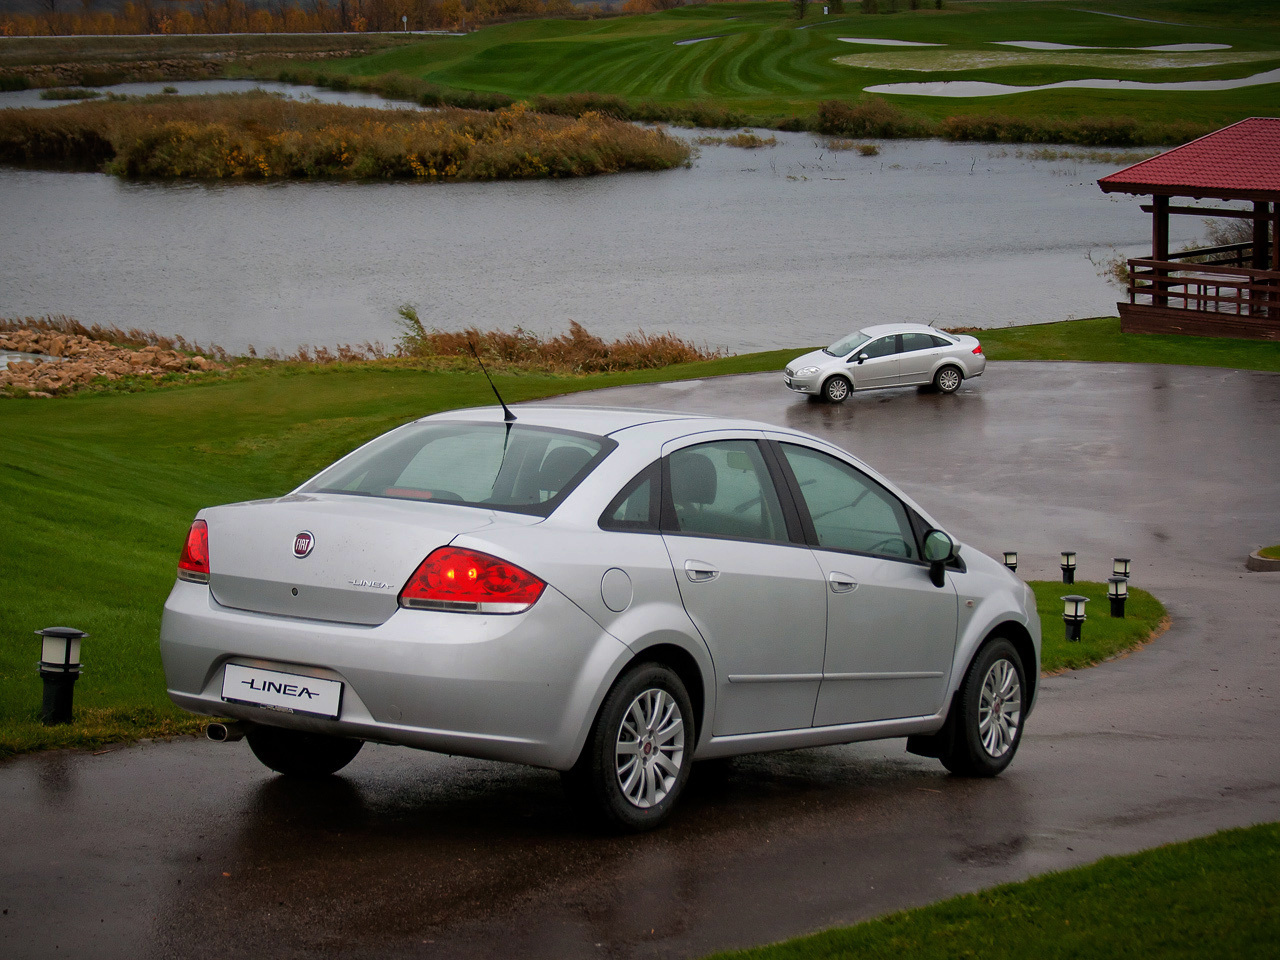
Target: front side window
(723,489)
(884,347)
(496,465)
(849,510)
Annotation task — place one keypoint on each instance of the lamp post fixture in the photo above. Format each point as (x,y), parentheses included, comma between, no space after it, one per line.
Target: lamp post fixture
(59,669)
(1011,559)
(1068,566)
(1117,593)
(1073,616)
(1120,567)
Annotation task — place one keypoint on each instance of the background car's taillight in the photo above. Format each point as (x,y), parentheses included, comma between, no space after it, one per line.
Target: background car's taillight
(193,565)
(977,351)
(468,581)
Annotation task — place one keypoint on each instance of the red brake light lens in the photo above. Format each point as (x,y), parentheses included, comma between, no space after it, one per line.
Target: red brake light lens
(978,350)
(193,565)
(468,581)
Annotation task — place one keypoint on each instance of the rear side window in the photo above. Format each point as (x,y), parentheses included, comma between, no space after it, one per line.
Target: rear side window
(723,489)
(919,341)
(636,506)
(501,466)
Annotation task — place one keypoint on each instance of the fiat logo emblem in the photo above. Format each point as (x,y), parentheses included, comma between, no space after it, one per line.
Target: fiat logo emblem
(303,543)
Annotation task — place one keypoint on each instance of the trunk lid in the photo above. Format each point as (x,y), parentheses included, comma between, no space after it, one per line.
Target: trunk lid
(360,552)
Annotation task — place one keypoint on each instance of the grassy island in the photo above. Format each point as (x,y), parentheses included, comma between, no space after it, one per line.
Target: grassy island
(259,136)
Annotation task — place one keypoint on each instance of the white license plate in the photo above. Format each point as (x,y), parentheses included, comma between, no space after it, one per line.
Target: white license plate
(282,691)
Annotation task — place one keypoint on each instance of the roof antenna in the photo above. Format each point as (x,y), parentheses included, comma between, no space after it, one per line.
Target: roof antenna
(507,415)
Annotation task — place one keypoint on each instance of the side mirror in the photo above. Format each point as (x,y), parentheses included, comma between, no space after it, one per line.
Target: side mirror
(862,356)
(939,550)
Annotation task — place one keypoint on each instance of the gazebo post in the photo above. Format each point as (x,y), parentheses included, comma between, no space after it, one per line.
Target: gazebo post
(1159,248)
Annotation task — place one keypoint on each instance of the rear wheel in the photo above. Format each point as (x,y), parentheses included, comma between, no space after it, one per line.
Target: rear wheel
(836,389)
(948,379)
(637,757)
(297,754)
(986,717)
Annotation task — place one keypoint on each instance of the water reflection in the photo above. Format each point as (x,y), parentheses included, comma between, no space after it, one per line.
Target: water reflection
(745,250)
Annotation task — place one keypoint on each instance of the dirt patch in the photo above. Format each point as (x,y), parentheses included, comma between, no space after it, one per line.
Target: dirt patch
(75,360)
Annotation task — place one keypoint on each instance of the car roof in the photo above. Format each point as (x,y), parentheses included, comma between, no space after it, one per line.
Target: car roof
(598,420)
(884,329)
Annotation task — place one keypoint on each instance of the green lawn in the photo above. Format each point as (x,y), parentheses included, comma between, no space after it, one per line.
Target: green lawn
(1209,898)
(1100,339)
(763,65)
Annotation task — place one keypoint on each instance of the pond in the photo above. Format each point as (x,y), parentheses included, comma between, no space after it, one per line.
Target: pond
(780,246)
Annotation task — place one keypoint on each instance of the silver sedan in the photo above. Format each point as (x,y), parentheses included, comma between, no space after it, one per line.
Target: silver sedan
(608,593)
(887,355)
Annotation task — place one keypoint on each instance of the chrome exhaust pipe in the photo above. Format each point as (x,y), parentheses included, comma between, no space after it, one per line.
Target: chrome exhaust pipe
(228,732)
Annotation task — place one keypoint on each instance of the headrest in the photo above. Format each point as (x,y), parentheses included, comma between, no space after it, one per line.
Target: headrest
(693,478)
(559,467)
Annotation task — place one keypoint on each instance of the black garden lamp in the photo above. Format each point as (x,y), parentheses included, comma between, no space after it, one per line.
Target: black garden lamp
(59,669)
(1120,567)
(1069,566)
(1117,593)
(1073,616)
(1011,559)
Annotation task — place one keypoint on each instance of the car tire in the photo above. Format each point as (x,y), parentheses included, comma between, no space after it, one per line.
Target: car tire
(948,379)
(297,754)
(836,389)
(637,758)
(986,715)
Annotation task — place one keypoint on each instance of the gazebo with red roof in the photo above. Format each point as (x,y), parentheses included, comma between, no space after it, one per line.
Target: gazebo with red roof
(1224,291)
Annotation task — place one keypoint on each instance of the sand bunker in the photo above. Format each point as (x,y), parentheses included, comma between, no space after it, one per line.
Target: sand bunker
(951,61)
(974,88)
(871,41)
(1163,48)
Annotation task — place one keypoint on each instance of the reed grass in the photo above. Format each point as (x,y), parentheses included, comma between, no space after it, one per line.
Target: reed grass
(260,136)
(69,93)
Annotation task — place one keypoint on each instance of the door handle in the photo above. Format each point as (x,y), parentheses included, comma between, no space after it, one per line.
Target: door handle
(841,583)
(700,572)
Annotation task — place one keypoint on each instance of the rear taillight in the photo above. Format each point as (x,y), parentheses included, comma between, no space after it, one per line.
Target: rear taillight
(977,351)
(468,581)
(193,565)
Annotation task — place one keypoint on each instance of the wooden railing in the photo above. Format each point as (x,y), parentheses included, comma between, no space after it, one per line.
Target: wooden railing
(1205,287)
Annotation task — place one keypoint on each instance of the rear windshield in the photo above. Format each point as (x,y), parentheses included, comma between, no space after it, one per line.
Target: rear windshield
(493,465)
(842,348)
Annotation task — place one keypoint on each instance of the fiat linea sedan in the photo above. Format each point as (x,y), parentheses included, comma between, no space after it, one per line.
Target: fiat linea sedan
(887,355)
(609,593)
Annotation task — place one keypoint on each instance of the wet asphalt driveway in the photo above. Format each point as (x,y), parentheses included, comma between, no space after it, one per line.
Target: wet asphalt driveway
(191,849)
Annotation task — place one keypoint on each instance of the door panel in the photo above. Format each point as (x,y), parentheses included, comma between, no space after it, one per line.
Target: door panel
(915,363)
(890,641)
(758,600)
(880,369)
(891,633)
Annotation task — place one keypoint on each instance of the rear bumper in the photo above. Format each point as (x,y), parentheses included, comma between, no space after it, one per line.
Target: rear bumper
(519,688)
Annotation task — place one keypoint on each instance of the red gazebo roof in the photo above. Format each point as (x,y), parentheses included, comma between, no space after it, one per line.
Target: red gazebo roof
(1239,162)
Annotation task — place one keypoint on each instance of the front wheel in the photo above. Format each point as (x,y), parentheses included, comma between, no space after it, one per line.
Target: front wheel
(948,380)
(836,390)
(297,754)
(986,718)
(637,757)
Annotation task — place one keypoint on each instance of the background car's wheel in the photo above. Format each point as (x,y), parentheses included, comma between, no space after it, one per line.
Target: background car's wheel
(836,389)
(298,754)
(986,716)
(637,757)
(948,379)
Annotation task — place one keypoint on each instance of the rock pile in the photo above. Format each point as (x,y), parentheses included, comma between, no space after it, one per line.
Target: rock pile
(75,360)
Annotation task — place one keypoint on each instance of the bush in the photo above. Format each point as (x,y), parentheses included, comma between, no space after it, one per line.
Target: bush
(871,117)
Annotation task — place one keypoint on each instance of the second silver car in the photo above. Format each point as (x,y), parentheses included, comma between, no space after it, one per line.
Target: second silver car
(887,355)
